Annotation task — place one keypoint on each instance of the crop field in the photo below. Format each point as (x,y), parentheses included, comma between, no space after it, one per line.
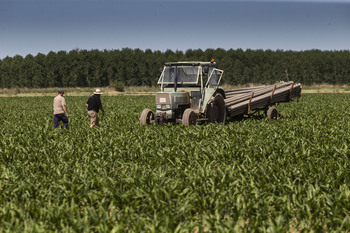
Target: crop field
(253,175)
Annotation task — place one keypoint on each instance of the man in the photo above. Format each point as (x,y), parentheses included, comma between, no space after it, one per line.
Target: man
(94,105)
(60,110)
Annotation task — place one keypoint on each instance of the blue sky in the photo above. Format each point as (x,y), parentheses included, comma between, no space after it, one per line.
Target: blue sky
(41,26)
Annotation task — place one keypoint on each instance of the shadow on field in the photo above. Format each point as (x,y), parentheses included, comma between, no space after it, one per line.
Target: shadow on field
(260,116)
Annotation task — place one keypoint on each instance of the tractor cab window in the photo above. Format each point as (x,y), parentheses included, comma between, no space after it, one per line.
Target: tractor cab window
(214,76)
(183,74)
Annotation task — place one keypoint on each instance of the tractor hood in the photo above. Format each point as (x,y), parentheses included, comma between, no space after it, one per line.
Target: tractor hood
(171,100)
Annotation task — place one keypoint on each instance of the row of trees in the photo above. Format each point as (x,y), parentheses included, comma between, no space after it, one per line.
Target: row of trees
(136,67)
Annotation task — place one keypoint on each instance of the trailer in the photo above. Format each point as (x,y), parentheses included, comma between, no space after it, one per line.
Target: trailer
(247,101)
(191,93)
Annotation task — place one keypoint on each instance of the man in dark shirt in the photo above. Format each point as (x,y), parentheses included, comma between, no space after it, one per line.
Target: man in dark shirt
(94,105)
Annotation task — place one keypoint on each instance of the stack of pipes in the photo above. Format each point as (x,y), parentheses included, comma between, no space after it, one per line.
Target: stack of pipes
(242,101)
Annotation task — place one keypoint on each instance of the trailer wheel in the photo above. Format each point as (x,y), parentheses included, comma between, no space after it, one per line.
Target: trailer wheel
(189,117)
(147,117)
(216,109)
(272,113)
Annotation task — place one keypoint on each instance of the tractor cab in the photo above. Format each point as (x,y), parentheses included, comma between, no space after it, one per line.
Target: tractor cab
(189,74)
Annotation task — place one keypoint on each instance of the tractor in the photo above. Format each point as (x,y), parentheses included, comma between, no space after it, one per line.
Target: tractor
(189,94)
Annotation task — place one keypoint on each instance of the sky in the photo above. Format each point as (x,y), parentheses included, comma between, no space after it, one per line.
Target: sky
(41,26)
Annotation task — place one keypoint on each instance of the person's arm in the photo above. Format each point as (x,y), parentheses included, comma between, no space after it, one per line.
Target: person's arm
(101,108)
(63,103)
(87,103)
(65,109)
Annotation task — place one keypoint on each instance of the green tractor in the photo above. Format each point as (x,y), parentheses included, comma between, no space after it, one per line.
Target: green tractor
(190,93)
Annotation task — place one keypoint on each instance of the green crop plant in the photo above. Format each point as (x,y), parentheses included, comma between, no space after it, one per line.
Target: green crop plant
(253,175)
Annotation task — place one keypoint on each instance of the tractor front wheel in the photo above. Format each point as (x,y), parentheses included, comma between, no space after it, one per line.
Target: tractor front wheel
(147,117)
(189,117)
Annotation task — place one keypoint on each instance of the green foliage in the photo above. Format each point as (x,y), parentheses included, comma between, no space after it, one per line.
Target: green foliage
(134,67)
(253,175)
(17,90)
(117,85)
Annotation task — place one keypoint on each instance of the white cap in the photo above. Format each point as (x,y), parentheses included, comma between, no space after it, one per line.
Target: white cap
(98,92)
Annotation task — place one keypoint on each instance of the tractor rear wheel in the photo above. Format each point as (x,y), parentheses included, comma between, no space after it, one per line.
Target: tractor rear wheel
(147,117)
(272,113)
(189,117)
(216,109)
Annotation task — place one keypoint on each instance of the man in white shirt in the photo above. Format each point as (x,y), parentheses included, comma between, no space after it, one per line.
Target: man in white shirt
(60,110)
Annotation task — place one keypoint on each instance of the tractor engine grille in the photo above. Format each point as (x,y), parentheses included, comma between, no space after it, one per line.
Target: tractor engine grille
(162,98)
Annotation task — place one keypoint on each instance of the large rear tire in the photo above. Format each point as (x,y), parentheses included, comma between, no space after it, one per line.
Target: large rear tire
(272,113)
(189,117)
(147,117)
(216,109)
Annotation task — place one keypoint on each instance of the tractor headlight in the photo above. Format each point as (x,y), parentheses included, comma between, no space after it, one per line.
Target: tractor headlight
(159,106)
(167,106)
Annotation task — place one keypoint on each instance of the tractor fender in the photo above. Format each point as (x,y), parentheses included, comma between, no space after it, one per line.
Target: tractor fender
(218,91)
(221,91)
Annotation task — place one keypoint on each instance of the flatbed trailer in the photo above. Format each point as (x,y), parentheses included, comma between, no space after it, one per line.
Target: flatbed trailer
(246,101)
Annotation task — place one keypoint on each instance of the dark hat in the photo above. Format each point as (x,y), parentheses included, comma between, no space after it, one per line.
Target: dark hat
(60,91)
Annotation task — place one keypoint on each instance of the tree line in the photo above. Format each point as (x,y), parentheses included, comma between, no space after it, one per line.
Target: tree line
(136,67)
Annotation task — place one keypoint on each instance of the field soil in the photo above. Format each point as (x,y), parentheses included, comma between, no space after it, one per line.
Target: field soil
(76,91)
(145,90)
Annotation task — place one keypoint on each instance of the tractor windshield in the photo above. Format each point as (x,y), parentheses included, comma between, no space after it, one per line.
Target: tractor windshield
(183,74)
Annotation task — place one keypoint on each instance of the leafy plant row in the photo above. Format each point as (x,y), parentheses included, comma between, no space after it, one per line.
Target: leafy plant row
(252,175)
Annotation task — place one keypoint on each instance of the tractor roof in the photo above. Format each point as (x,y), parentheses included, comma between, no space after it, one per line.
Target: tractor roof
(190,63)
